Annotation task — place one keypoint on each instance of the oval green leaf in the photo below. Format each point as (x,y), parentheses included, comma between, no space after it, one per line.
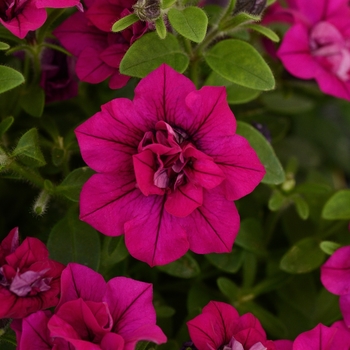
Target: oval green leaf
(239,62)
(33,101)
(191,23)
(9,78)
(149,52)
(338,206)
(185,267)
(5,125)
(4,46)
(264,31)
(274,171)
(125,22)
(228,262)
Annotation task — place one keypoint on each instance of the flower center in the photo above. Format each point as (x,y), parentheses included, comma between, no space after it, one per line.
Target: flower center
(236,345)
(331,49)
(10,9)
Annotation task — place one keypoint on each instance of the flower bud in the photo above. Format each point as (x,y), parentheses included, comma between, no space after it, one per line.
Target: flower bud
(41,202)
(253,7)
(147,10)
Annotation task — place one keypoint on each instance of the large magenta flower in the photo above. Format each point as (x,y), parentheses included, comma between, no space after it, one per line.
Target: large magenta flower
(219,327)
(317,46)
(335,276)
(169,167)
(29,280)
(21,16)
(99,52)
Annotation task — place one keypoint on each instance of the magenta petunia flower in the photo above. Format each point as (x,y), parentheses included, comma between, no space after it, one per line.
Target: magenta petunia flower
(317,46)
(21,16)
(219,327)
(335,276)
(29,280)
(93,314)
(99,52)
(169,166)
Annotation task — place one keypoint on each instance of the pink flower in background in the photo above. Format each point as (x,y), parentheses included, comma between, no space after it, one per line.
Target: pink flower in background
(21,16)
(335,276)
(99,52)
(317,46)
(169,166)
(219,327)
(93,314)
(29,280)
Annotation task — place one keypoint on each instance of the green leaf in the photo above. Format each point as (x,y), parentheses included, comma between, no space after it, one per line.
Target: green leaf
(329,247)
(164,311)
(149,52)
(5,125)
(303,257)
(9,78)
(276,201)
(271,283)
(230,262)
(239,62)
(160,27)
(33,101)
(191,22)
(326,310)
(185,267)
(264,31)
(28,149)
(228,288)
(124,22)
(71,186)
(236,94)
(114,251)
(338,206)
(4,46)
(274,171)
(71,240)
(167,3)
(301,206)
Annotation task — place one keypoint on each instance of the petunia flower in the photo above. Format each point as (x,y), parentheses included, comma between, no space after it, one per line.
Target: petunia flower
(93,314)
(317,46)
(89,38)
(219,327)
(21,16)
(29,280)
(169,165)
(335,276)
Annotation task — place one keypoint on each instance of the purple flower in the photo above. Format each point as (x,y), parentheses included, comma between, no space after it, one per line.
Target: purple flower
(29,280)
(169,166)
(21,16)
(219,327)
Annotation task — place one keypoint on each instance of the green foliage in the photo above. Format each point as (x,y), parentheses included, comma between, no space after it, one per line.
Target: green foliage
(264,31)
(9,78)
(329,247)
(185,267)
(338,206)
(5,125)
(191,22)
(149,52)
(4,46)
(160,27)
(33,101)
(239,62)
(229,262)
(124,22)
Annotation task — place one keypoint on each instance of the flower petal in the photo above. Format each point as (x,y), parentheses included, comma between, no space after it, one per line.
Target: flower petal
(112,341)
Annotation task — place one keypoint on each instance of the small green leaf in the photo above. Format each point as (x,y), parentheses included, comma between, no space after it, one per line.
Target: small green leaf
(160,27)
(239,62)
(274,171)
(71,186)
(338,206)
(236,94)
(57,156)
(4,46)
(167,3)
(185,267)
(33,101)
(5,125)
(115,252)
(301,206)
(149,52)
(28,149)
(228,288)
(164,311)
(9,78)
(124,22)
(276,201)
(191,22)
(329,247)
(264,31)
(71,240)
(303,257)
(228,262)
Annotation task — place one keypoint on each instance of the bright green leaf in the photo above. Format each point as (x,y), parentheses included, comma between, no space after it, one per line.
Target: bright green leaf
(160,27)
(124,22)
(228,262)
(72,240)
(274,171)
(4,46)
(191,22)
(9,78)
(5,125)
(33,101)
(276,201)
(239,62)
(185,267)
(338,206)
(149,52)
(167,3)
(236,94)
(71,186)
(329,247)
(303,257)
(28,149)
(264,31)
